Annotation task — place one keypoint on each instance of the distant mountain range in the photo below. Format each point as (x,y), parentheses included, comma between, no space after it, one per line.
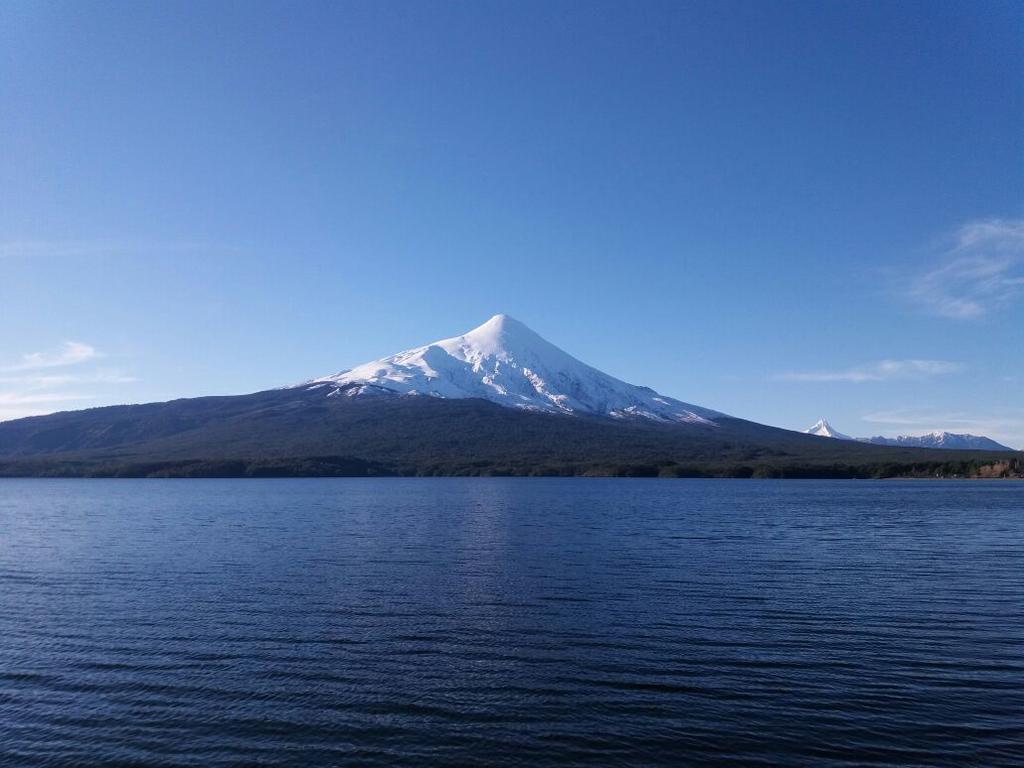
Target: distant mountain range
(498,400)
(944,440)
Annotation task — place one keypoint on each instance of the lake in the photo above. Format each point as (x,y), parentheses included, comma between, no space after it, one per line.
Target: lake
(511,622)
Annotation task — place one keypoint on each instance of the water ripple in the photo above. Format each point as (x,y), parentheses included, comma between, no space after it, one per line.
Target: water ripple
(511,622)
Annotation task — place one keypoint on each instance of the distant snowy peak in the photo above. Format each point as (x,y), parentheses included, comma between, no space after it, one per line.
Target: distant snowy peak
(949,440)
(824,429)
(506,363)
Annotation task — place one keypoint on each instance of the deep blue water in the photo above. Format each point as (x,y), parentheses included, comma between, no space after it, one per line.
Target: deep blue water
(511,622)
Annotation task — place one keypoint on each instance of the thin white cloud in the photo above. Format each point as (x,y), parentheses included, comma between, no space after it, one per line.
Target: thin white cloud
(51,249)
(881,370)
(18,398)
(17,405)
(979,271)
(63,378)
(45,381)
(69,353)
(54,248)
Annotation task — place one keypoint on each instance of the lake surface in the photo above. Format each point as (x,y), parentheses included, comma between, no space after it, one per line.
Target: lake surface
(511,622)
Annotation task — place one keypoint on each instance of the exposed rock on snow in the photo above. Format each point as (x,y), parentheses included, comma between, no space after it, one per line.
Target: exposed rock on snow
(507,363)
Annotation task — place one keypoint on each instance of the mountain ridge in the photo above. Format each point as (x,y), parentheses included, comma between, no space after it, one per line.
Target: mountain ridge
(937,439)
(940,439)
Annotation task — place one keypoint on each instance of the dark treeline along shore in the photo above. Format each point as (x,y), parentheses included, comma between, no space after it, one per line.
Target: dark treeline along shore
(299,433)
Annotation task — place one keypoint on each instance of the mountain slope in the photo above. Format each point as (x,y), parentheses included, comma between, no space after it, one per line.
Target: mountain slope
(297,432)
(506,363)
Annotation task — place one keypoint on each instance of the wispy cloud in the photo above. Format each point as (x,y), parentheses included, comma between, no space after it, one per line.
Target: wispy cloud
(69,353)
(97,248)
(980,270)
(65,377)
(16,398)
(43,381)
(16,405)
(881,370)
(55,248)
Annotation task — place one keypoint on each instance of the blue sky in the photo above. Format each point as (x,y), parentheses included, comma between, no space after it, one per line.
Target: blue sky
(779,210)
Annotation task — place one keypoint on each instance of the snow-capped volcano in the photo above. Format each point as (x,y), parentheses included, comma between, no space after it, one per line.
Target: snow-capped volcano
(824,429)
(507,363)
